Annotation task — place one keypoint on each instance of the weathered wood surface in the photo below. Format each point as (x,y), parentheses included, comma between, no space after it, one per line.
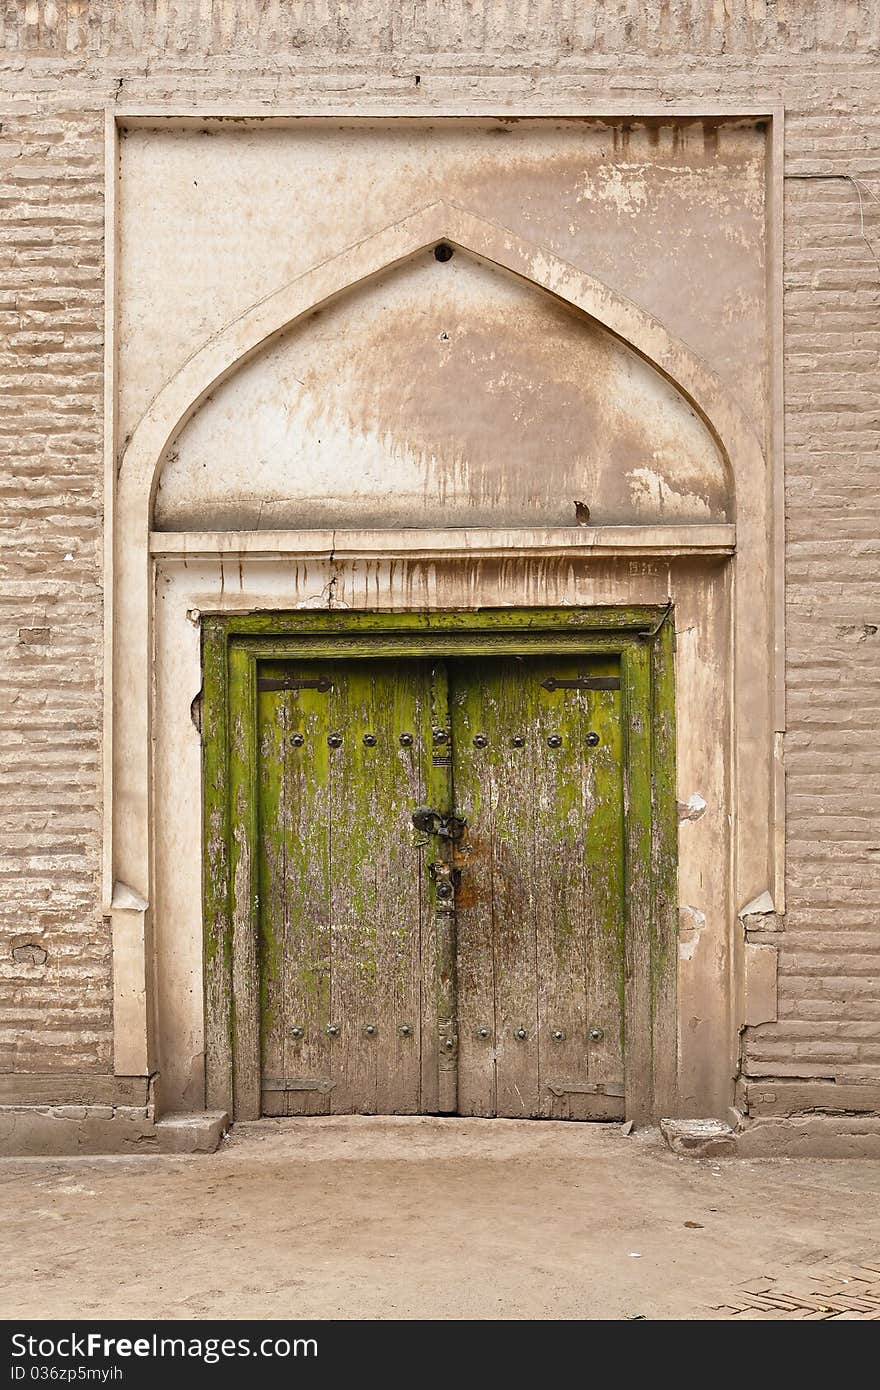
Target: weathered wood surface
(555,622)
(246,1021)
(234,874)
(540,909)
(439,851)
(476,800)
(603,861)
(434,783)
(639,886)
(365,974)
(294,894)
(341,888)
(219,1088)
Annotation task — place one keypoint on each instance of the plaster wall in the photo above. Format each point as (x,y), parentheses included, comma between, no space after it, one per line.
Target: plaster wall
(670,214)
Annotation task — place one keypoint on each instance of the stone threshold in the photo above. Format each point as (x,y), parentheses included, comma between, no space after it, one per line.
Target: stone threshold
(788,1136)
(28,1131)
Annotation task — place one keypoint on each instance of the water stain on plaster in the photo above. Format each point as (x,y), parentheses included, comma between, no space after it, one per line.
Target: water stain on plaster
(670,212)
(443,394)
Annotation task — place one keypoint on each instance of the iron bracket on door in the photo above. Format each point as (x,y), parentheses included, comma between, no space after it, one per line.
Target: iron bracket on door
(294,683)
(586,1088)
(445,883)
(432,822)
(446,878)
(581,683)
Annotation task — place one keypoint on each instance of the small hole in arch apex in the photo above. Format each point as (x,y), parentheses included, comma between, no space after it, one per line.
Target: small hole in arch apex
(443,252)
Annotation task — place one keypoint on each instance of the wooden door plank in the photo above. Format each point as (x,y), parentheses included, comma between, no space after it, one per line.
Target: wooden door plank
(475,799)
(216,903)
(638,1064)
(307,951)
(509,710)
(441,895)
(243,885)
(393,774)
(563,807)
(272,851)
(604,869)
(432,784)
(374,891)
(354,901)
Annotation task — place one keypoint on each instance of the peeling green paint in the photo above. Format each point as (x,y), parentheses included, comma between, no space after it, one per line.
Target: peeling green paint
(259,840)
(541,910)
(483,620)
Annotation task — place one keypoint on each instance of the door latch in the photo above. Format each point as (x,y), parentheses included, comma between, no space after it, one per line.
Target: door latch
(446,879)
(431,822)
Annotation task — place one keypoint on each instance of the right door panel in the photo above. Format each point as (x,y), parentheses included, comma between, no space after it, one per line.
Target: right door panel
(538,774)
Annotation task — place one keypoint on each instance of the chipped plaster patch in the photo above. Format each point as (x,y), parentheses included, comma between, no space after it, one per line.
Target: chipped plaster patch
(691,924)
(760,915)
(29,953)
(693,808)
(758,906)
(626,193)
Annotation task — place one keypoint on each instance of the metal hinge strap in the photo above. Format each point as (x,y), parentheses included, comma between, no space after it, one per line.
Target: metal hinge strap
(302,1083)
(293,683)
(581,683)
(586,1088)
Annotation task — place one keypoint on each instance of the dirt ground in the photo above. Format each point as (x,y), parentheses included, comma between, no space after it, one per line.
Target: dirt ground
(423,1218)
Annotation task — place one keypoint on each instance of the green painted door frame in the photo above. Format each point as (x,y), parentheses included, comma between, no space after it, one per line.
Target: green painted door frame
(643,638)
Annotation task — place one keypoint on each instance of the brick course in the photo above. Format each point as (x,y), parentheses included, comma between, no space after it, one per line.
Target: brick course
(62,61)
(54,1015)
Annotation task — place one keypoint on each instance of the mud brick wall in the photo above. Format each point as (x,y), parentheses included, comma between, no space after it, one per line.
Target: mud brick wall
(63,61)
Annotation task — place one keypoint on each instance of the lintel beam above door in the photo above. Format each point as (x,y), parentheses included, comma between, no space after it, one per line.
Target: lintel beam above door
(600,541)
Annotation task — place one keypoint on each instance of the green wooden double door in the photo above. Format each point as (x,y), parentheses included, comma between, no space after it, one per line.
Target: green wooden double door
(471,962)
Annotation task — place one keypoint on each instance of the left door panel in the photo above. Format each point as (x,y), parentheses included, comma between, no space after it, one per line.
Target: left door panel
(346,947)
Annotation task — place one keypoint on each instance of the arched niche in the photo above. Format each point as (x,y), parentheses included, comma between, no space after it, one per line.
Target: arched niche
(723,602)
(444,392)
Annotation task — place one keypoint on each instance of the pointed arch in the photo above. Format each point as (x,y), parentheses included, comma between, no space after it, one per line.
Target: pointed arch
(263,322)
